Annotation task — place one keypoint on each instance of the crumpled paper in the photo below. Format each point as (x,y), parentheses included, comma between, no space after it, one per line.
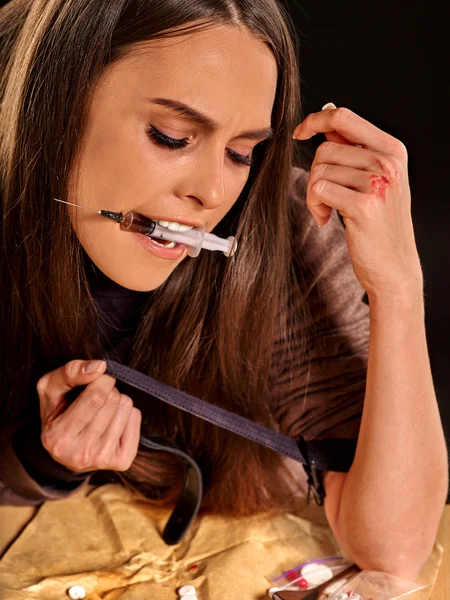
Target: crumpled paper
(107,541)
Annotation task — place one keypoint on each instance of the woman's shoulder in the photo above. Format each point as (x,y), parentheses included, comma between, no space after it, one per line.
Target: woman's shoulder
(320,254)
(306,237)
(318,242)
(299,175)
(298,182)
(300,216)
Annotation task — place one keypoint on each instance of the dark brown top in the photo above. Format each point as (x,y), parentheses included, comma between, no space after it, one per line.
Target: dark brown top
(322,401)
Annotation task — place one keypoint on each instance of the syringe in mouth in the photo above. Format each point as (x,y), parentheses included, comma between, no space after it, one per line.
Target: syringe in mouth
(195,239)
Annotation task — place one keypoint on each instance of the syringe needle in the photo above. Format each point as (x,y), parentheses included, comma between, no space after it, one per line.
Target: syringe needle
(77,205)
(109,214)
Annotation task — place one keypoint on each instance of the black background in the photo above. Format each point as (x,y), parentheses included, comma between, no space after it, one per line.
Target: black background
(389,62)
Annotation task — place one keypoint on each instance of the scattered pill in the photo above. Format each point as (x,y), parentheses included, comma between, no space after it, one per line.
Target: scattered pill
(76,592)
(186,589)
(316,574)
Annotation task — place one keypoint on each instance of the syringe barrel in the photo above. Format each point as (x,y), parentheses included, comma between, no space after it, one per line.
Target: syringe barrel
(136,222)
(193,238)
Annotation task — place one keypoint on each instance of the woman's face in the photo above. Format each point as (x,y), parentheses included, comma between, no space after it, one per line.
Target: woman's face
(224,73)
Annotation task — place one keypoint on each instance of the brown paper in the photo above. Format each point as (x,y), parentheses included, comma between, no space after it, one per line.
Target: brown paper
(109,543)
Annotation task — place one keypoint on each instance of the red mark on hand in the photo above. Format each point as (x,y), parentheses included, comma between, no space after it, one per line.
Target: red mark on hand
(379,185)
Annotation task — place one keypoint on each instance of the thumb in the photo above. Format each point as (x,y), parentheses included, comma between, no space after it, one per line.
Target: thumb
(53,386)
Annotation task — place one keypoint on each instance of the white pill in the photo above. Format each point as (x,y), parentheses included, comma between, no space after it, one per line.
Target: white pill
(186,589)
(316,573)
(76,592)
(189,596)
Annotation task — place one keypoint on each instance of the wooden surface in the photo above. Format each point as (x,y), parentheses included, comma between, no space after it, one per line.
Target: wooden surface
(441,590)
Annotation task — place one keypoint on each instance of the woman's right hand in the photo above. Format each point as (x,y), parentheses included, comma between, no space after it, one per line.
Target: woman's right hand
(99,430)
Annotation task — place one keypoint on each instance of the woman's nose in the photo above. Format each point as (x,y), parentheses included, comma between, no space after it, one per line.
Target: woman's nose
(206,180)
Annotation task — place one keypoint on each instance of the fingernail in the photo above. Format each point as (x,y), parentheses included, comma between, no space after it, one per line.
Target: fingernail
(92,366)
(329,105)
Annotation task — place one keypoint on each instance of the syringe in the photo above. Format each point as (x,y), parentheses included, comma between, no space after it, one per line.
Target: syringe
(195,239)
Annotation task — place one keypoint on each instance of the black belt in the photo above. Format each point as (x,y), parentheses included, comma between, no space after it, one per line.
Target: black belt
(315,455)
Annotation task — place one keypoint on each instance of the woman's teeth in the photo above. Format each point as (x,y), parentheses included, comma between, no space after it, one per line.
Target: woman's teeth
(165,245)
(174,226)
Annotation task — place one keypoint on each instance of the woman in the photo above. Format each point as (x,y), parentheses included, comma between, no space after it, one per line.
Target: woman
(186,112)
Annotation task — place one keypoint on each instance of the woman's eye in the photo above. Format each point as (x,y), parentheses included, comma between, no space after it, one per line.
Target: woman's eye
(241,159)
(175,144)
(164,140)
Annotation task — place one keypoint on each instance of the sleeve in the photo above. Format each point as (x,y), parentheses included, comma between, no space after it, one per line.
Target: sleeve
(320,387)
(28,474)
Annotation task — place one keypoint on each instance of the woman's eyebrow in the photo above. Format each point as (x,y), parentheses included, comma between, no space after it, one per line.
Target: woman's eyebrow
(195,116)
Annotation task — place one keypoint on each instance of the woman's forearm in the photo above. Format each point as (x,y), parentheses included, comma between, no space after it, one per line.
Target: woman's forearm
(394,494)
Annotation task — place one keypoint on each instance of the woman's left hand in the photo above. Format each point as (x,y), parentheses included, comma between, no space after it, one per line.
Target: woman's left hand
(369,187)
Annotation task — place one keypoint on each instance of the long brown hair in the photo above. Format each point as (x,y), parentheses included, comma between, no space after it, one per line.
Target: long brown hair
(216,324)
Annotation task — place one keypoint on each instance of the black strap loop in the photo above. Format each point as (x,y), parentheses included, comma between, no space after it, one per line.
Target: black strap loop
(190,499)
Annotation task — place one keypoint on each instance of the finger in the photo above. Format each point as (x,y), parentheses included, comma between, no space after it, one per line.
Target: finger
(129,442)
(105,447)
(104,416)
(333,136)
(350,156)
(81,412)
(53,386)
(354,179)
(335,196)
(112,434)
(351,126)
(337,138)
